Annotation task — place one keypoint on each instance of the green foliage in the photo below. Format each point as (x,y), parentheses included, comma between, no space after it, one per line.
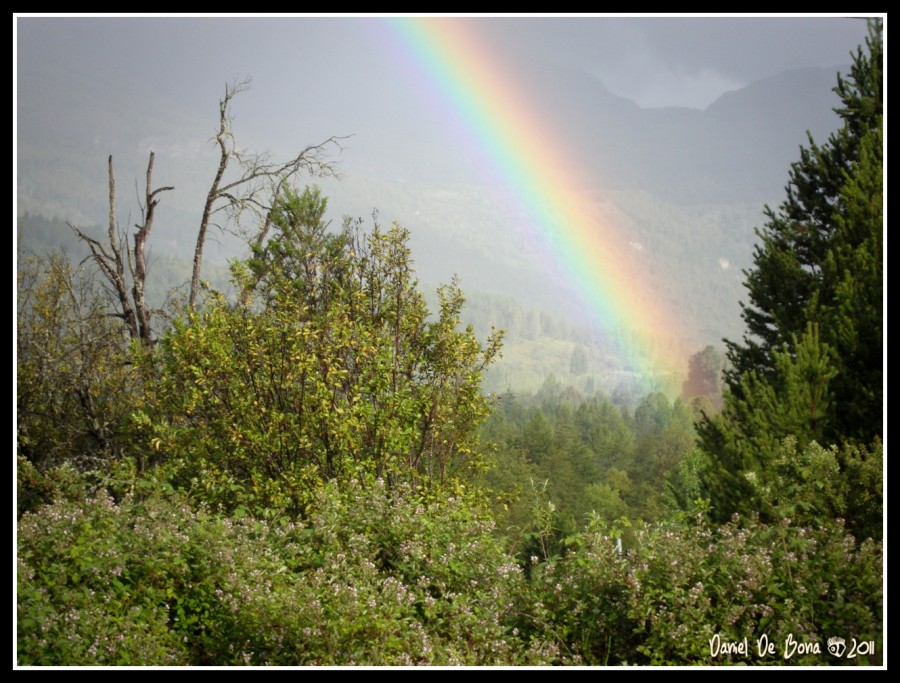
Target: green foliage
(796,400)
(811,365)
(684,485)
(850,302)
(590,457)
(380,575)
(302,256)
(507,476)
(74,389)
(93,579)
(808,485)
(605,499)
(664,433)
(35,487)
(376,576)
(331,369)
(862,488)
(392,579)
(677,587)
(804,486)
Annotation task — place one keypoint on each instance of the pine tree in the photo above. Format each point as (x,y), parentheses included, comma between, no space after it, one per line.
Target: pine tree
(810,365)
(795,400)
(814,233)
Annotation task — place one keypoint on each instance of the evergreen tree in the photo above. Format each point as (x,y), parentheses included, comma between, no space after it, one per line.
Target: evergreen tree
(820,256)
(810,364)
(794,400)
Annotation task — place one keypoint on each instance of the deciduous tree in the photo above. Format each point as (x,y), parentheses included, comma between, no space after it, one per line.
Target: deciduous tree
(331,369)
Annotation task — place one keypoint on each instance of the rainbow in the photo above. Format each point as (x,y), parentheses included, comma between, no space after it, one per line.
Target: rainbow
(471,86)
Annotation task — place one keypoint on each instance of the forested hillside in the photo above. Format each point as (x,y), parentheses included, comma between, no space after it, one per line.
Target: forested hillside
(681,188)
(307,458)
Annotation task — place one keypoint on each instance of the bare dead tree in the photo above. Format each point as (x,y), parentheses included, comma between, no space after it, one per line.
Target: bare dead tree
(258,182)
(120,264)
(140,261)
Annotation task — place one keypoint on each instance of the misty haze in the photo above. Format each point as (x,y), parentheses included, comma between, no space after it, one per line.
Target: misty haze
(682,181)
(449,341)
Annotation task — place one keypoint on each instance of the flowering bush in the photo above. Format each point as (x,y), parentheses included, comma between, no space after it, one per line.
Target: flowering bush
(93,579)
(376,576)
(676,588)
(382,575)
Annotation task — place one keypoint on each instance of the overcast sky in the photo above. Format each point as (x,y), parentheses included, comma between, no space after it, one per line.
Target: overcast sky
(313,77)
(682,61)
(654,61)
(88,78)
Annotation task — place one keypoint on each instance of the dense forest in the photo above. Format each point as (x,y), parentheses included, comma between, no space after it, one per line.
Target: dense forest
(305,460)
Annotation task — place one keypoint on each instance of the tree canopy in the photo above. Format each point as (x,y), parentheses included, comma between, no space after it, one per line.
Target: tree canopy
(330,369)
(811,362)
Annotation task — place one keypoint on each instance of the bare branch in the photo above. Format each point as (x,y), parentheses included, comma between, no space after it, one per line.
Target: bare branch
(140,261)
(112,259)
(212,196)
(260,240)
(260,178)
(113,270)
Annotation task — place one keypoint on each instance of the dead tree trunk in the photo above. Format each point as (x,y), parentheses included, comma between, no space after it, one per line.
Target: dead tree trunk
(258,182)
(140,262)
(113,257)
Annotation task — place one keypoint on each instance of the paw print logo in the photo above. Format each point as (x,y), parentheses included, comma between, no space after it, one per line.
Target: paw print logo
(837,646)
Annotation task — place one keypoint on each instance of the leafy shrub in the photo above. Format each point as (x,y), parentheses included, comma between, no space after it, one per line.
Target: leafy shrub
(376,576)
(676,587)
(383,577)
(328,369)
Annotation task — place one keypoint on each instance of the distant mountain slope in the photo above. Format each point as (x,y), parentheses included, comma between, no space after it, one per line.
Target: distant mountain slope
(687,185)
